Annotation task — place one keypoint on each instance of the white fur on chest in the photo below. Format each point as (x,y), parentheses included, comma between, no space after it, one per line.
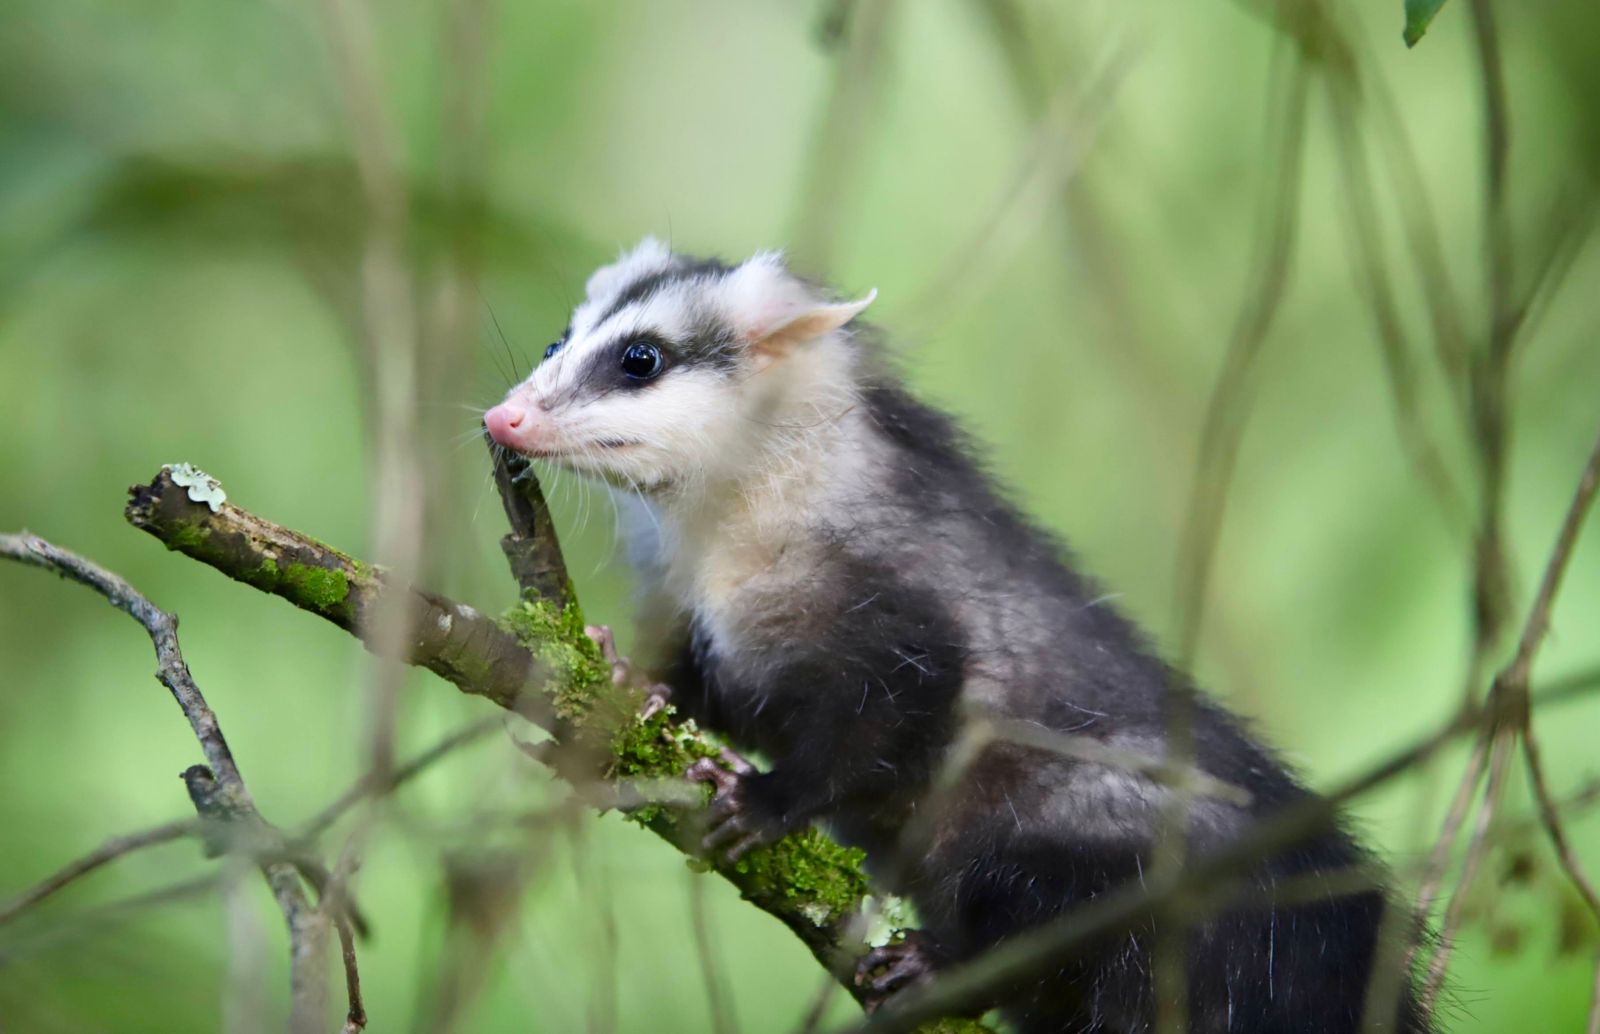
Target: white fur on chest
(746,561)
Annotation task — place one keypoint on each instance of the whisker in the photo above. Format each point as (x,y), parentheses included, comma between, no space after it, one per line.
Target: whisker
(516,375)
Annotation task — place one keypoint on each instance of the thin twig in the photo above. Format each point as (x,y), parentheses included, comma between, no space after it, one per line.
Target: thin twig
(1518,671)
(1225,416)
(1571,687)
(1510,703)
(1439,856)
(1375,285)
(367,786)
(163,630)
(1490,374)
(717,997)
(109,851)
(355,1017)
(1422,237)
(99,917)
(217,789)
(1550,817)
(841,128)
(1499,763)
(1067,128)
(812,1021)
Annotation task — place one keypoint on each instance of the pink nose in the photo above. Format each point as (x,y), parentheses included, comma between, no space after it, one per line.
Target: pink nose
(504,421)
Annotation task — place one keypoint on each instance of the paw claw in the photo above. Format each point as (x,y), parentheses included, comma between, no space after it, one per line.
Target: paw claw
(736,762)
(708,771)
(658,698)
(621,670)
(731,831)
(884,972)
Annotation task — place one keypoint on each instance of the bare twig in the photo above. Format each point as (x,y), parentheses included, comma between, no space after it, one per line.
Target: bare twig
(163,630)
(1374,283)
(812,1021)
(1225,417)
(109,851)
(717,997)
(1163,770)
(1510,702)
(1401,933)
(1550,816)
(218,791)
(355,1018)
(1569,687)
(1518,671)
(367,786)
(389,324)
(1491,373)
(1499,759)
(1515,678)
(1439,856)
(1422,238)
(841,128)
(99,917)
(1066,131)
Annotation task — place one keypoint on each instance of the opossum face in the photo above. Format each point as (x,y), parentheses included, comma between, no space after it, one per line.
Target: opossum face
(673,369)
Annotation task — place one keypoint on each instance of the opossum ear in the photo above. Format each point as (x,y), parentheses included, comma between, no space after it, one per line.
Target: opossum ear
(648,256)
(775,311)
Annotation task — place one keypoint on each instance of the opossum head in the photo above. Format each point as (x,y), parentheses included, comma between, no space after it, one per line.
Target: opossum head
(677,370)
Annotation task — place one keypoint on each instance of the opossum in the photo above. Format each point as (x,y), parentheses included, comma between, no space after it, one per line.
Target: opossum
(831,578)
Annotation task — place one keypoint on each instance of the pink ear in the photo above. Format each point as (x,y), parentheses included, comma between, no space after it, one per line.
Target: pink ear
(774,311)
(810,323)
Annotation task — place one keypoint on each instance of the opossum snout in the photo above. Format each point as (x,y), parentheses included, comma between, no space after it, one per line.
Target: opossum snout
(517,425)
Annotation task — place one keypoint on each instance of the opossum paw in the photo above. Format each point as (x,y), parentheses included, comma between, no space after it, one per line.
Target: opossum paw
(621,670)
(883,972)
(734,825)
(657,698)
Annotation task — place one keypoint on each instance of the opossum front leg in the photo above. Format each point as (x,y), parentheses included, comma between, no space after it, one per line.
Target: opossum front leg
(657,695)
(733,824)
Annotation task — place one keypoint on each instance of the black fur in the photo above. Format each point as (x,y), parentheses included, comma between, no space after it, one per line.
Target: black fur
(710,343)
(857,713)
(680,268)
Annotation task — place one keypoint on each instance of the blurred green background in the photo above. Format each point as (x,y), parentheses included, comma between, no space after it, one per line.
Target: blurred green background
(180,238)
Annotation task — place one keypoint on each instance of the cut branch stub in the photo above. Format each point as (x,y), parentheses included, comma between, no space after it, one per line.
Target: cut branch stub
(532,547)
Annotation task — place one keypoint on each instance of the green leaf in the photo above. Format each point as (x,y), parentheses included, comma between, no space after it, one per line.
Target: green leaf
(1419,14)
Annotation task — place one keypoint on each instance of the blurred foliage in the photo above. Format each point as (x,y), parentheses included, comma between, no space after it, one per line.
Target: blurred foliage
(1419,15)
(180,234)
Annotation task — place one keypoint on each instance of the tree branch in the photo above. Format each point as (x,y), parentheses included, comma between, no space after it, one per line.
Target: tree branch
(451,640)
(227,812)
(537,661)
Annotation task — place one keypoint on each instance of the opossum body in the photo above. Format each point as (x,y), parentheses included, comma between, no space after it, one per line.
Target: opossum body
(830,578)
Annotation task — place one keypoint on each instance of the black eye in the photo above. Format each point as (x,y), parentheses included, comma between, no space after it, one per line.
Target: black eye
(641,361)
(555,346)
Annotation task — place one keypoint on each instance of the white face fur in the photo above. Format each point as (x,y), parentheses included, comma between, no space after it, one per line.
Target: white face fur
(671,368)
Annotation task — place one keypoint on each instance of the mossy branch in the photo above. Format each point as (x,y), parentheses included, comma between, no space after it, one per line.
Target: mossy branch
(536,660)
(452,640)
